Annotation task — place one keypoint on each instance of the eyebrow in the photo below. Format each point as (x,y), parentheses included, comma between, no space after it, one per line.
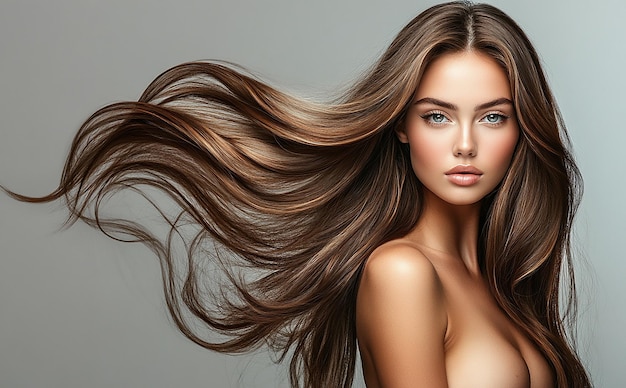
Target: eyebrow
(447,105)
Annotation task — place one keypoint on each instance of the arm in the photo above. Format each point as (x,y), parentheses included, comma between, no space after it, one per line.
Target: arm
(401,319)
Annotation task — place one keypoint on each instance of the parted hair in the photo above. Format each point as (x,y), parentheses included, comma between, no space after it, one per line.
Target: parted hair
(289,197)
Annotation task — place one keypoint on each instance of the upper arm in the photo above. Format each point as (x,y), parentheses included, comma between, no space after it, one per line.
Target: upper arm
(401,319)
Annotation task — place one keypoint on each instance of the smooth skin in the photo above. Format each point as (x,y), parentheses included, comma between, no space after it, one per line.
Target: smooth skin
(425,316)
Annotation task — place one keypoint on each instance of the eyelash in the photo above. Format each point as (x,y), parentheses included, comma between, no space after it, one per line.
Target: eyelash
(428,117)
(502,118)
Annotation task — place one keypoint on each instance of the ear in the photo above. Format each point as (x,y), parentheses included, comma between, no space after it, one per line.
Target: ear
(401,132)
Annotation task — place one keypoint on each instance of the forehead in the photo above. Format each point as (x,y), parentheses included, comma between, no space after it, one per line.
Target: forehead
(467,76)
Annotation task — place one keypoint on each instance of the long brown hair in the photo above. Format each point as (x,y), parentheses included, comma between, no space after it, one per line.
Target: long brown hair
(286,196)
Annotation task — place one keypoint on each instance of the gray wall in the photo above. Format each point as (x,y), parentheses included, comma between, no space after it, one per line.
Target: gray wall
(78,310)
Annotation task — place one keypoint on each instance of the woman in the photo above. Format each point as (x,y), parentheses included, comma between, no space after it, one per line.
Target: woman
(344,213)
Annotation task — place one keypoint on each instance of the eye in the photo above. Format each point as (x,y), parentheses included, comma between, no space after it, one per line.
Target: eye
(494,118)
(435,118)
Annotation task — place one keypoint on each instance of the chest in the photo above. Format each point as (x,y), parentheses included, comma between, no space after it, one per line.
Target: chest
(483,348)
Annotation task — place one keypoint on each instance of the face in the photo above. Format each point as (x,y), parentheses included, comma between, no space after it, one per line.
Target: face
(461,127)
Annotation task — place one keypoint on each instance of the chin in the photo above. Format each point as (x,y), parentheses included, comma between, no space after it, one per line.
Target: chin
(457,197)
(465,202)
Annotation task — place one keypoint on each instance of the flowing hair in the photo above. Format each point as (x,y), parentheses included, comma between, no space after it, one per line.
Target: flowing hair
(290,197)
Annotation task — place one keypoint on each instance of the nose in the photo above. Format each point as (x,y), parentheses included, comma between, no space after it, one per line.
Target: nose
(464,144)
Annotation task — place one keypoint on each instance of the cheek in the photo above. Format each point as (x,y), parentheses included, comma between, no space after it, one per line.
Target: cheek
(501,150)
(427,152)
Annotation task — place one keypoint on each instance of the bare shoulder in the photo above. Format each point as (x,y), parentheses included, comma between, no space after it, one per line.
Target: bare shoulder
(398,260)
(401,318)
(399,270)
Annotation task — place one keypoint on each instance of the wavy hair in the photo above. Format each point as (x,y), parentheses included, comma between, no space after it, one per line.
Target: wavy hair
(286,196)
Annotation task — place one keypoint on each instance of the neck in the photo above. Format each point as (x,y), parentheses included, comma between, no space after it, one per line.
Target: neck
(449,229)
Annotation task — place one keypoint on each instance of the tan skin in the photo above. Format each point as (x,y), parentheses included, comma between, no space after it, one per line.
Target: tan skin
(425,316)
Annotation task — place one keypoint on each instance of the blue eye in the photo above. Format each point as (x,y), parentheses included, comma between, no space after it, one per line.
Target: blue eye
(494,118)
(435,118)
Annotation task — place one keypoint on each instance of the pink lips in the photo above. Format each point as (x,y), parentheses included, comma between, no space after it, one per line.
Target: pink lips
(464,175)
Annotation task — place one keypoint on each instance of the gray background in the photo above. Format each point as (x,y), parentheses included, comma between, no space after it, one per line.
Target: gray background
(78,310)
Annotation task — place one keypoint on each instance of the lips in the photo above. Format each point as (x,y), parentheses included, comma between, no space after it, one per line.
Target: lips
(464,175)
(464,169)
